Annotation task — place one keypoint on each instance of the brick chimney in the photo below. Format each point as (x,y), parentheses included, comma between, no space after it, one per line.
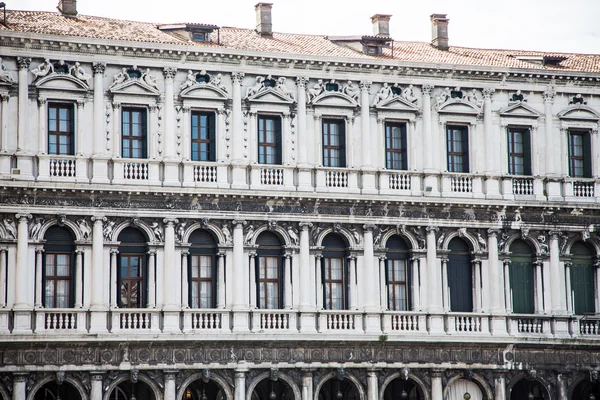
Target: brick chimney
(68,8)
(439,31)
(381,24)
(263,19)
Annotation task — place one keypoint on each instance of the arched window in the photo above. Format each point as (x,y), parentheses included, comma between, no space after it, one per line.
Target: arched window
(398,274)
(269,271)
(132,271)
(334,271)
(582,279)
(202,269)
(460,276)
(521,278)
(58,267)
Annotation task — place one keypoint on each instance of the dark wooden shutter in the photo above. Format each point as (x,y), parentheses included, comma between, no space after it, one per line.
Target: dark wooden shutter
(587,156)
(465,144)
(527,152)
(212,137)
(404,165)
(582,279)
(342,126)
(460,277)
(278,141)
(521,285)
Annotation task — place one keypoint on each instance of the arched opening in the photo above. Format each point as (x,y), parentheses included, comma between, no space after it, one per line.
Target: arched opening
(55,391)
(586,390)
(203,390)
(398,274)
(582,279)
(334,273)
(269,271)
(403,389)
(521,278)
(132,266)
(463,389)
(128,390)
(202,270)
(529,389)
(338,389)
(58,268)
(460,276)
(269,389)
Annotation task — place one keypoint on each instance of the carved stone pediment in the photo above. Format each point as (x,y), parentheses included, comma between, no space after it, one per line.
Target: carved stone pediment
(398,103)
(459,106)
(134,87)
(579,113)
(57,81)
(203,91)
(521,110)
(270,95)
(334,99)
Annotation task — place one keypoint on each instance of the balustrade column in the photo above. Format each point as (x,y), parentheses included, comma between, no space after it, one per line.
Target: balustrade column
(185,283)
(151,279)
(168,276)
(22,277)
(445,288)
(221,281)
(369,282)
(240,296)
(39,290)
(557,283)
(287,276)
(170,387)
(306,284)
(113,277)
(434,293)
(79,277)
(436,385)
(372,385)
(19,391)
(353,301)
(252,281)
(240,385)
(383,293)
(507,291)
(96,390)
(23,113)
(3,274)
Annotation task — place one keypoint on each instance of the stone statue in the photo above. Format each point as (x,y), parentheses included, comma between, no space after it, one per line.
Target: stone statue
(34,230)
(108,230)
(482,242)
(293,235)
(409,94)
(256,88)
(249,234)
(443,96)
(190,80)
(316,90)
(78,72)
(351,90)
(157,232)
(382,95)
(148,79)
(283,89)
(43,69)
(181,231)
(84,228)
(121,77)
(473,98)
(10,227)
(226,234)
(5,75)
(216,82)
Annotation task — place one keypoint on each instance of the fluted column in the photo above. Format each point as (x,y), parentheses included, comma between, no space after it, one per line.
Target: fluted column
(42,146)
(237,125)
(23,113)
(383,293)
(415,287)
(435,291)
(507,290)
(301,82)
(96,391)
(19,386)
(445,289)
(22,283)
(4,97)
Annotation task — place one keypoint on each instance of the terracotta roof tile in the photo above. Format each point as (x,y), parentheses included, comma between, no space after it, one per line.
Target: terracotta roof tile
(53,23)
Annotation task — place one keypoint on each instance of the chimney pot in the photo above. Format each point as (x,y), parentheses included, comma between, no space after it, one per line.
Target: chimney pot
(68,8)
(381,24)
(439,31)
(264,25)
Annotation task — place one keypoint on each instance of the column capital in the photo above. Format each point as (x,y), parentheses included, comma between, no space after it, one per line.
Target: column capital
(488,92)
(369,227)
(549,95)
(493,232)
(239,223)
(382,258)
(23,217)
(237,77)
(169,72)
(426,89)
(305,226)
(170,374)
(114,251)
(170,222)
(554,234)
(436,373)
(97,376)
(98,68)
(41,101)
(301,81)
(432,229)
(98,219)
(365,86)
(23,63)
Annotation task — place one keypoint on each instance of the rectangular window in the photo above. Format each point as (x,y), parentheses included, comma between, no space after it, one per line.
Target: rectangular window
(396,279)
(61,128)
(519,152)
(334,143)
(334,283)
(269,139)
(268,282)
(134,133)
(202,282)
(132,281)
(395,146)
(457,138)
(57,280)
(580,158)
(203,136)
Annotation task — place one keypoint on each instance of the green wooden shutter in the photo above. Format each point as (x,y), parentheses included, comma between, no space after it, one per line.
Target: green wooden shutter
(582,287)
(465,143)
(342,126)
(460,281)
(587,156)
(527,152)
(521,285)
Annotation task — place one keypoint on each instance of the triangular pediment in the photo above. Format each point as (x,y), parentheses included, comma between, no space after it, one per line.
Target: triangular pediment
(62,82)
(579,112)
(398,104)
(203,91)
(459,107)
(135,87)
(334,99)
(521,110)
(271,95)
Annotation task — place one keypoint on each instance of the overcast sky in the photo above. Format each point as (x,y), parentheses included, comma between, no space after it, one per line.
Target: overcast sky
(546,25)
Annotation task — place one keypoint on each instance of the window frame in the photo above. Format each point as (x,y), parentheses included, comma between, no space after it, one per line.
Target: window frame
(513,155)
(141,279)
(390,150)
(142,139)
(329,149)
(586,156)
(394,284)
(70,134)
(264,145)
(202,279)
(211,155)
(328,283)
(56,278)
(263,303)
(451,164)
